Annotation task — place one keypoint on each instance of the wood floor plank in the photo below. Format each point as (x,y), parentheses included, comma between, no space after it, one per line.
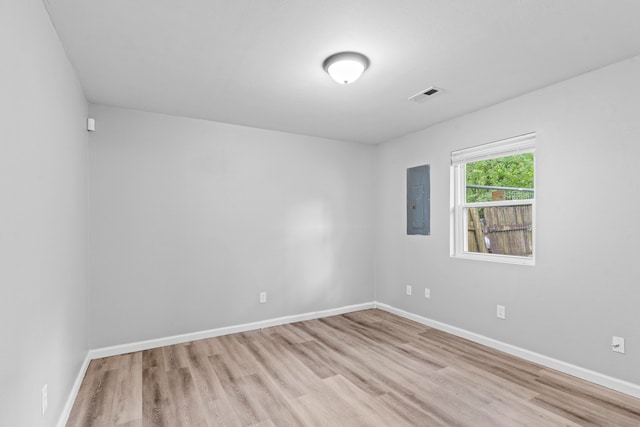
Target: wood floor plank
(281,366)
(306,356)
(405,411)
(368,368)
(221,413)
(368,365)
(205,378)
(230,378)
(212,395)
(127,402)
(153,358)
(618,403)
(175,357)
(156,398)
(274,404)
(367,407)
(188,408)
(99,401)
(582,411)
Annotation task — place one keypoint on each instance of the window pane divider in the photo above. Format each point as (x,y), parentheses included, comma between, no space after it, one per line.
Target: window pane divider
(488,204)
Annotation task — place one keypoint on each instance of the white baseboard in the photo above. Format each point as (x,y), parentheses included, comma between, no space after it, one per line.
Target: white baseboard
(66,411)
(549,362)
(179,339)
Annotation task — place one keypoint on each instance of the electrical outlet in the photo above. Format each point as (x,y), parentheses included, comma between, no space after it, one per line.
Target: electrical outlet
(263,297)
(427,293)
(617,344)
(409,290)
(45,398)
(501,312)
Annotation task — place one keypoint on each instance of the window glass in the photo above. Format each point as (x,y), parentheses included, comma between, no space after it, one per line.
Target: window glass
(493,201)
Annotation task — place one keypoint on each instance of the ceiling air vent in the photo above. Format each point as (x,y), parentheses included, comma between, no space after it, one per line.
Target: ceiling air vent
(423,95)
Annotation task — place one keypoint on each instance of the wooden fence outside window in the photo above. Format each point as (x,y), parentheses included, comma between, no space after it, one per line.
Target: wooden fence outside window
(505,230)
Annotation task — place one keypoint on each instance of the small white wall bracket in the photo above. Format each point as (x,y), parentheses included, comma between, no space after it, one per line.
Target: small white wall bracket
(91,124)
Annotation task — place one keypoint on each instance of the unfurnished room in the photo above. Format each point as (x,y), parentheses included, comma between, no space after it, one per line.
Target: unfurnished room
(319,213)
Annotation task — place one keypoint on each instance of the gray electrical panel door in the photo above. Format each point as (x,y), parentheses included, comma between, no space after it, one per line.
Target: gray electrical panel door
(418,200)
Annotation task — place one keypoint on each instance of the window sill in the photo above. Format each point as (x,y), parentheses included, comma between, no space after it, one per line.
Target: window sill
(504,259)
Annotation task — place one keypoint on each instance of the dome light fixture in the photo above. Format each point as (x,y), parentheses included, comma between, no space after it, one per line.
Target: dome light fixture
(346,67)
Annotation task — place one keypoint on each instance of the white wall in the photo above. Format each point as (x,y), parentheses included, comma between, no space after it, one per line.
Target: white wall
(43,198)
(191,219)
(584,288)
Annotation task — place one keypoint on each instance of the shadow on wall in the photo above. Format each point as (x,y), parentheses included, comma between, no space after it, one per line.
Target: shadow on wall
(311,252)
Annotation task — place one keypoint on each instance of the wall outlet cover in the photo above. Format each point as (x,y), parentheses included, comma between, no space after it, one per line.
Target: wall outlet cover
(501,312)
(617,344)
(263,297)
(427,293)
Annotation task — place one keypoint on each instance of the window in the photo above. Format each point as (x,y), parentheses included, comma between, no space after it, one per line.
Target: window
(493,201)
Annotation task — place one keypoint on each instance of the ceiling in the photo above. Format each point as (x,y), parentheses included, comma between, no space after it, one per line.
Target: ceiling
(259,62)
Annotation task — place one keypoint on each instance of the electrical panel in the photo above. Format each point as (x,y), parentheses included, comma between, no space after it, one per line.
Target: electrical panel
(418,200)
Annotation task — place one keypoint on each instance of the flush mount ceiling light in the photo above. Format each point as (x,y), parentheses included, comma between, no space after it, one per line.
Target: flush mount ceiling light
(346,67)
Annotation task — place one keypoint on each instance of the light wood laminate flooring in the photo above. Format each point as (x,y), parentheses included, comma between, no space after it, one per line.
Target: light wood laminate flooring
(368,368)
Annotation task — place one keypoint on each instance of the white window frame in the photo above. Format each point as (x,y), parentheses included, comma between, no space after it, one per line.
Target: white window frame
(459,222)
